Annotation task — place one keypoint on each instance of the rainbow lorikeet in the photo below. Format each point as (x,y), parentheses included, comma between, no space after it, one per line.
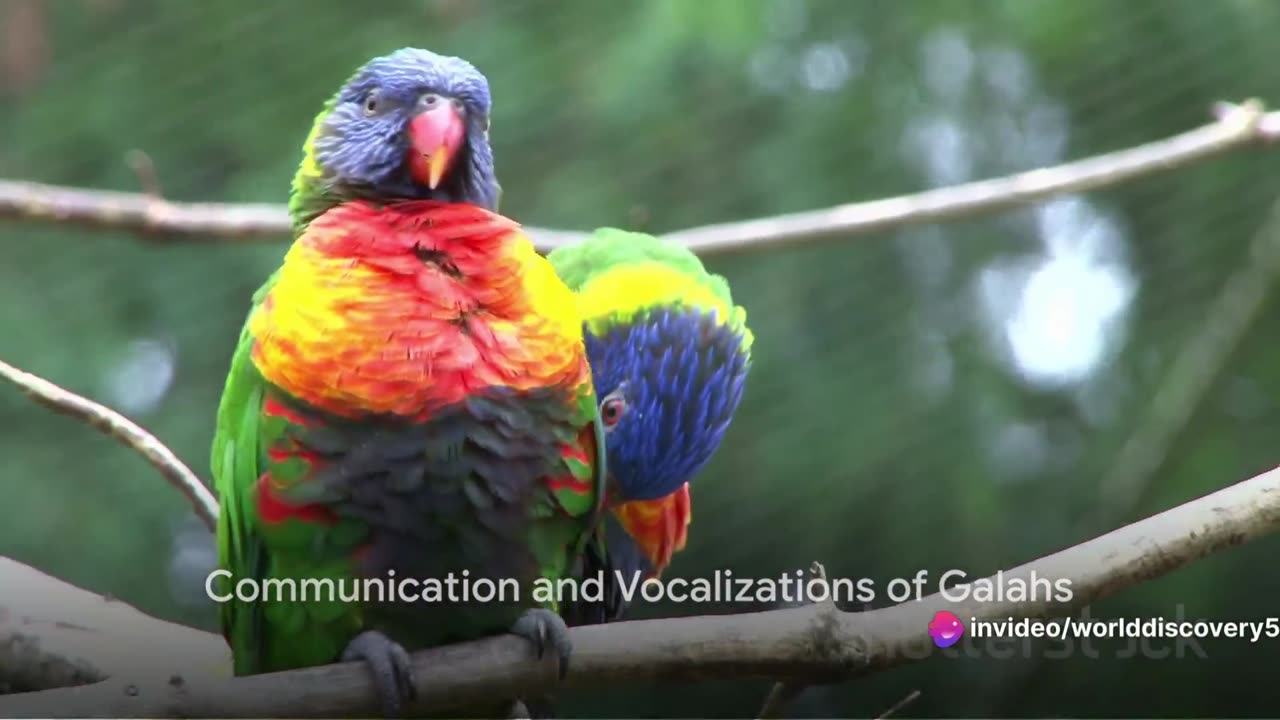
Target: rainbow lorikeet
(669,353)
(410,398)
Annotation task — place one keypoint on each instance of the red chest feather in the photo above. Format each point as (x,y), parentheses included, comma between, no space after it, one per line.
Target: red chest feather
(409,307)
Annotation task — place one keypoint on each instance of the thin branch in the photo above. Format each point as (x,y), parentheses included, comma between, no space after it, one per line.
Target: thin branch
(124,430)
(145,168)
(1195,368)
(141,213)
(1237,126)
(910,698)
(780,695)
(811,644)
(164,220)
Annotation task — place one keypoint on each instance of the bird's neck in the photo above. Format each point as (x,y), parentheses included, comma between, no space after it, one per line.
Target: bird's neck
(314,192)
(315,195)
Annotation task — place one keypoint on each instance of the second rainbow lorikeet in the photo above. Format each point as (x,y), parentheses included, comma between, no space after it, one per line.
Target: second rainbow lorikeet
(669,353)
(410,394)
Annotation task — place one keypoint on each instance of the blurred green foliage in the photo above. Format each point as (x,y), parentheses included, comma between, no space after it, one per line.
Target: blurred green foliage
(939,397)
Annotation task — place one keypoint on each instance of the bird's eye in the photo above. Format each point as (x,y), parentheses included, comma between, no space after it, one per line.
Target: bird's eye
(612,408)
(430,100)
(372,102)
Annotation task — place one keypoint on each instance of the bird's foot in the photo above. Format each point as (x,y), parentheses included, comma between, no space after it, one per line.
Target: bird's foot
(392,669)
(546,629)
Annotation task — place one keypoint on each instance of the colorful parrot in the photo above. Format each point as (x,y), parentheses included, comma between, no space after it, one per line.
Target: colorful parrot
(669,353)
(410,394)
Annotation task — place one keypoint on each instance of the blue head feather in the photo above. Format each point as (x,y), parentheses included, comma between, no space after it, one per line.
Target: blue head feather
(355,153)
(681,374)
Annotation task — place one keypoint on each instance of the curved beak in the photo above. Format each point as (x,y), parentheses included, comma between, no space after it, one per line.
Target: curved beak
(435,136)
(660,527)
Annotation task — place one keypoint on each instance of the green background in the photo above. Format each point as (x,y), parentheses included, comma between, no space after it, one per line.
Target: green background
(951,396)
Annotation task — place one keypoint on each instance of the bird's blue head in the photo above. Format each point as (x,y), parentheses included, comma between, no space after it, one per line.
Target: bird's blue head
(669,379)
(669,354)
(411,125)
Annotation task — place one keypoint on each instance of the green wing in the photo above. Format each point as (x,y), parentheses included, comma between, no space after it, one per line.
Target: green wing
(567,524)
(280,632)
(236,463)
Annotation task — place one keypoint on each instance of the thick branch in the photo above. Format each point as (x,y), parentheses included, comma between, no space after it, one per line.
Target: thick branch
(1237,126)
(124,430)
(816,643)
(53,634)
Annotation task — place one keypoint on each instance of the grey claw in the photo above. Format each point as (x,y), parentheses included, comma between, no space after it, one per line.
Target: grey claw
(391,667)
(542,628)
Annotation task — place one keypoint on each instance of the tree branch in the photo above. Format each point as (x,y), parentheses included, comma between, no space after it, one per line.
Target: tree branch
(1237,126)
(53,634)
(124,430)
(910,698)
(1196,367)
(782,693)
(161,220)
(810,644)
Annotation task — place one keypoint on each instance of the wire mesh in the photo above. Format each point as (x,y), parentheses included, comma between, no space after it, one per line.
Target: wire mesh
(945,396)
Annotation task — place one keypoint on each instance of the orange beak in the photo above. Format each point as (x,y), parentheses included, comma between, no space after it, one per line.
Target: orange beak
(660,527)
(435,137)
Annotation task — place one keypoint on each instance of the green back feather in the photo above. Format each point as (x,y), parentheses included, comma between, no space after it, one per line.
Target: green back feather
(277,635)
(608,248)
(310,193)
(235,463)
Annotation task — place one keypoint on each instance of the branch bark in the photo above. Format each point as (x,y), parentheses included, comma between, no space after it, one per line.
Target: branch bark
(124,430)
(810,644)
(1237,126)
(53,634)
